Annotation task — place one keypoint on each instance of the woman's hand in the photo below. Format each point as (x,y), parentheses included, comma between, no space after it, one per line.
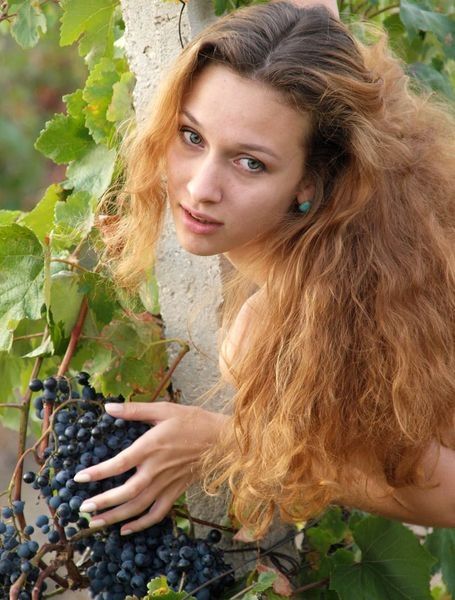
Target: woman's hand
(165,458)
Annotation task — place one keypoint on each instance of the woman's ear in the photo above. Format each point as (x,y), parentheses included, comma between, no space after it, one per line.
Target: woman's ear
(305,192)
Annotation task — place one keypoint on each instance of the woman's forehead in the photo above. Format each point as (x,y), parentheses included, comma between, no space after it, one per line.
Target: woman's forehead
(220,97)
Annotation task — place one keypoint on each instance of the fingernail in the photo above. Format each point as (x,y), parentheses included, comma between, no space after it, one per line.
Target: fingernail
(87,507)
(81,477)
(113,407)
(97,523)
(126,531)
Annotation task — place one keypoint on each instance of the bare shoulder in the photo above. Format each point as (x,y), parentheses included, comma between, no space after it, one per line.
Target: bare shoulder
(236,340)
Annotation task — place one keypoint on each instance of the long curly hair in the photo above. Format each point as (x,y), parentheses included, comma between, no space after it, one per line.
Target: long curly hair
(353,352)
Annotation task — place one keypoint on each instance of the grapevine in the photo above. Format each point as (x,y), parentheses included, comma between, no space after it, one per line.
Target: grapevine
(58,309)
(82,434)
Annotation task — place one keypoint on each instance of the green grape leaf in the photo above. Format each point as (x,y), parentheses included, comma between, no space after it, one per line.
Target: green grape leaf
(324,565)
(7,217)
(341,556)
(93,20)
(148,293)
(66,299)
(93,172)
(46,348)
(75,104)
(41,219)
(441,544)
(394,565)
(434,79)
(29,24)
(139,357)
(121,106)
(98,95)
(264,582)
(11,368)
(416,19)
(58,337)
(331,529)
(21,279)
(159,588)
(74,219)
(64,139)
(220,7)
(101,295)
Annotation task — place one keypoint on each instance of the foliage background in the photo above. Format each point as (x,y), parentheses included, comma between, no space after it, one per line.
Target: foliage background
(49,271)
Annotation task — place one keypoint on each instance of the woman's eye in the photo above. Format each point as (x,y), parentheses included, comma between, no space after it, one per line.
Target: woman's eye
(190,138)
(254,165)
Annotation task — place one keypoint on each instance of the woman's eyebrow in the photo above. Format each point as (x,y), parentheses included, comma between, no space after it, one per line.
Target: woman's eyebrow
(252,147)
(190,116)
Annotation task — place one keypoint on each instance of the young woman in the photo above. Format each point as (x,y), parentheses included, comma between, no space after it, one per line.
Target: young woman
(306,159)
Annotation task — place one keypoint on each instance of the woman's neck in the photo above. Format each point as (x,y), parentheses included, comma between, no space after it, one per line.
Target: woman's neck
(242,260)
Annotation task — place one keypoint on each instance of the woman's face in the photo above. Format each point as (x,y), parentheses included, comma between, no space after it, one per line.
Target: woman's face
(213,168)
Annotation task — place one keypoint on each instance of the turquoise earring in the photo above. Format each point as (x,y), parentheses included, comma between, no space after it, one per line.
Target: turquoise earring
(305,207)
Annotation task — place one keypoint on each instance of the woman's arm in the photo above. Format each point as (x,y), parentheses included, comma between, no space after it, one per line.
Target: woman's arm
(432,506)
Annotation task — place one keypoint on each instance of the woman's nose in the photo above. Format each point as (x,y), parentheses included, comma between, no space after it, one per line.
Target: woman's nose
(204,183)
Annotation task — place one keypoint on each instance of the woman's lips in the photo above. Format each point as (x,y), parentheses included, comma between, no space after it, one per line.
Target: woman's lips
(199,215)
(196,226)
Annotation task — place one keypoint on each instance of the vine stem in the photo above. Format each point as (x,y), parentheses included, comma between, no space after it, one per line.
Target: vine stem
(359,8)
(75,253)
(242,592)
(22,442)
(310,586)
(56,592)
(180,513)
(72,263)
(17,586)
(284,540)
(382,10)
(54,576)
(168,375)
(75,334)
(30,336)
(39,582)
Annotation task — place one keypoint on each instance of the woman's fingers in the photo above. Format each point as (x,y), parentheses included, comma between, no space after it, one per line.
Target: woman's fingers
(124,461)
(158,510)
(133,487)
(152,412)
(109,468)
(124,511)
(139,503)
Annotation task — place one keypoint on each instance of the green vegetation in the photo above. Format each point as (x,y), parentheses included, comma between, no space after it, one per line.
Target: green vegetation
(60,314)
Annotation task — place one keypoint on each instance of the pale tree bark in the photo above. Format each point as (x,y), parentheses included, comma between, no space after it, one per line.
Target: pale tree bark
(189,286)
(190,289)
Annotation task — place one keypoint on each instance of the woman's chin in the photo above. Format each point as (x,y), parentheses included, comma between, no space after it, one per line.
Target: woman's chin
(198,249)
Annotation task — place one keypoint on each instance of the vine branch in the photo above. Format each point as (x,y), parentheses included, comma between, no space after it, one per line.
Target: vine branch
(74,338)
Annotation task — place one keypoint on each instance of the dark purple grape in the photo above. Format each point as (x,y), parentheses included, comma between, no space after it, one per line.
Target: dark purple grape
(49,395)
(7,513)
(29,477)
(35,385)
(53,536)
(214,536)
(42,520)
(63,386)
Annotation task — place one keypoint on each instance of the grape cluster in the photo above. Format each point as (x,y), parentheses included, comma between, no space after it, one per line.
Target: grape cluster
(124,565)
(83,434)
(15,555)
